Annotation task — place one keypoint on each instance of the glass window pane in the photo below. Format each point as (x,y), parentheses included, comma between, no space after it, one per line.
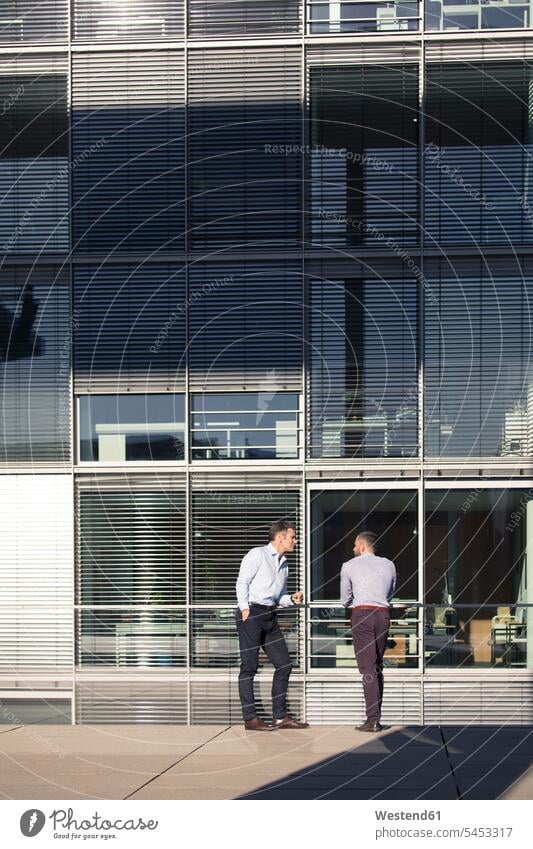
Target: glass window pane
(363,377)
(337,516)
(125,638)
(35,362)
(129,428)
(357,16)
(223,428)
(478,577)
(478,384)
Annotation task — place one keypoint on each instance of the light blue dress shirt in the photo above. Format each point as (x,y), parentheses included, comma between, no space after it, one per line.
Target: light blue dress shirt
(263,578)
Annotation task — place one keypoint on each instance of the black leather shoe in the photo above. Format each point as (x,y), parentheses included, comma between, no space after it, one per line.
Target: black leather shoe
(370,725)
(256,724)
(289,722)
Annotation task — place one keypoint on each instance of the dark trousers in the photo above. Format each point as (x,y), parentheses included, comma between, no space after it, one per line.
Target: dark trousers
(261,630)
(370,630)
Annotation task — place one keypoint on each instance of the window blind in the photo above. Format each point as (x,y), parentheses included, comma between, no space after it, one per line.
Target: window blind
(211,19)
(225,525)
(25,20)
(129,328)
(362,167)
(478,152)
(150,19)
(34,173)
(234,344)
(244,147)
(128,151)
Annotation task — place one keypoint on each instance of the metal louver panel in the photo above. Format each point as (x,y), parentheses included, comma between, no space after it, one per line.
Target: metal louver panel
(35,417)
(478,380)
(36,571)
(25,20)
(217,701)
(477,158)
(337,702)
(376,51)
(129,328)
(225,525)
(211,18)
(233,345)
(130,481)
(465,701)
(131,548)
(34,169)
(244,112)
(128,151)
(467,50)
(220,480)
(362,376)
(150,19)
(131,702)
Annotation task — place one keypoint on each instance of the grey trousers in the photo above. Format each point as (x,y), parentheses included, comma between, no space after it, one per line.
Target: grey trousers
(370,629)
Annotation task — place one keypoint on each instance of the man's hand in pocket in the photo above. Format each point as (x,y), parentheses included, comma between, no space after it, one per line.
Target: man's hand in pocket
(245,614)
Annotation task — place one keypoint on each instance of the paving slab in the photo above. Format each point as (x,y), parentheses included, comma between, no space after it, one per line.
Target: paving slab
(100,762)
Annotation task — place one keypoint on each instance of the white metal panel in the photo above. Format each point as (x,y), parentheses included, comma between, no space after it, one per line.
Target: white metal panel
(36,573)
(341,702)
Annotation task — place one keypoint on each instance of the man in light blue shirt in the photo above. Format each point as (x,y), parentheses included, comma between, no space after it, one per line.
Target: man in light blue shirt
(261,587)
(368,583)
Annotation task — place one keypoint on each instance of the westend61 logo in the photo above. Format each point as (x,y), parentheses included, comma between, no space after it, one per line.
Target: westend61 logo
(33,820)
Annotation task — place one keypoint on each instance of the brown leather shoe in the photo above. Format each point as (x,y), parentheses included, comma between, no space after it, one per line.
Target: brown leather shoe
(289,722)
(370,725)
(256,724)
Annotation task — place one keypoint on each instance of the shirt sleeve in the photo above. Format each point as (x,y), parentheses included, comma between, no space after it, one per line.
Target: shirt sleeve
(285,600)
(249,568)
(346,587)
(392,588)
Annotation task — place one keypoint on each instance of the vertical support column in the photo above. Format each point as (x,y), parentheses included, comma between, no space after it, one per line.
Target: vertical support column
(528,580)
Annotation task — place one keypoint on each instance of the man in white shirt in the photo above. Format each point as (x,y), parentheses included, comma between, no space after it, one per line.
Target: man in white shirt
(261,587)
(368,583)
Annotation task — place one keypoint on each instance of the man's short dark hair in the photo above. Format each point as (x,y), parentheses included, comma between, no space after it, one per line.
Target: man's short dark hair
(370,538)
(280,527)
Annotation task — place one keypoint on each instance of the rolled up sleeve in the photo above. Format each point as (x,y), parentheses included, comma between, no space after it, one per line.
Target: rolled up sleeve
(285,599)
(346,587)
(392,588)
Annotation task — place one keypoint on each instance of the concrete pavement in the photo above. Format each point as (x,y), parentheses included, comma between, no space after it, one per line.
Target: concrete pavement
(221,762)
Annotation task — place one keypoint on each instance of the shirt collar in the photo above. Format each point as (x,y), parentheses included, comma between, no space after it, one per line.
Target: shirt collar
(272,551)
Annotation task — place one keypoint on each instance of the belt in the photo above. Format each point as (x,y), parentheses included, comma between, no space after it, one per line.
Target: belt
(263,606)
(369,607)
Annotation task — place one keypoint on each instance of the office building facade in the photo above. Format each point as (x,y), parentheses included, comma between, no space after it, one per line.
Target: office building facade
(264,259)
